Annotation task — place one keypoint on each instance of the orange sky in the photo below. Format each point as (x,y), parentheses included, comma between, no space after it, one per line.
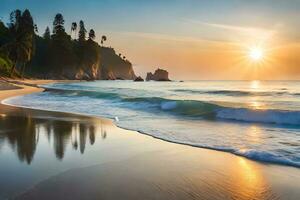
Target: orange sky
(195,58)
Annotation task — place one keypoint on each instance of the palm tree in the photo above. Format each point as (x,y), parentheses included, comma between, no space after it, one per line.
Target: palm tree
(74,28)
(103,39)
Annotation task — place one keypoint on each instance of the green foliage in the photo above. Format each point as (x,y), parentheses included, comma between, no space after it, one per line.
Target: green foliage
(4,35)
(20,45)
(54,55)
(5,65)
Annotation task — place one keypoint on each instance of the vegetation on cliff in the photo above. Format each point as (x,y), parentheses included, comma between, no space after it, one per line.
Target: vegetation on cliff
(57,55)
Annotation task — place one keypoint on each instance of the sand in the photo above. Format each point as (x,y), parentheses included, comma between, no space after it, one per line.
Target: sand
(129,165)
(15,87)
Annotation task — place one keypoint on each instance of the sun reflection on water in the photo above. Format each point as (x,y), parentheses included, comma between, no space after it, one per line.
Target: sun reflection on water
(255,85)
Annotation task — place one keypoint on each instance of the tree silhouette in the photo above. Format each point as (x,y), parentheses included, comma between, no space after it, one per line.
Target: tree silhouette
(28,29)
(47,35)
(92,35)
(74,28)
(58,24)
(82,32)
(103,39)
(20,48)
(57,55)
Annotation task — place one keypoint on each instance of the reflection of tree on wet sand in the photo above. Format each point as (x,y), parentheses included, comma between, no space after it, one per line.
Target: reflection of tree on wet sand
(22,134)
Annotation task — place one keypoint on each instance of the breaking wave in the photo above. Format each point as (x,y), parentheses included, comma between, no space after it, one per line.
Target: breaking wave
(193,108)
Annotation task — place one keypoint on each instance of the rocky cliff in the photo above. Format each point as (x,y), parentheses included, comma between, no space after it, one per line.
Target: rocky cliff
(114,67)
(159,75)
(107,65)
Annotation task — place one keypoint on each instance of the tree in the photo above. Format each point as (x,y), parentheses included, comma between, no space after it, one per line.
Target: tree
(20,48)
(92,35)
(58,24)
(15,19)
(47,35)
(60,50)
(74,28)
(82,32)
(28,29)
(103,39)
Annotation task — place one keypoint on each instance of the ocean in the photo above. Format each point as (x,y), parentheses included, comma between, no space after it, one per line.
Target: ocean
(259,120)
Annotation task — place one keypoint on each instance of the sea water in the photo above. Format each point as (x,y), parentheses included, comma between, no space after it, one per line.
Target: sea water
(259,120)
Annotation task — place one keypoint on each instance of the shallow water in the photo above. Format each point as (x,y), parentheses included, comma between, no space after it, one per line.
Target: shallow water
(256,119)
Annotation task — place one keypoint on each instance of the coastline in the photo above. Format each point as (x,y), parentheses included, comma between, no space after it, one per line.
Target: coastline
(156,167)
(26,86)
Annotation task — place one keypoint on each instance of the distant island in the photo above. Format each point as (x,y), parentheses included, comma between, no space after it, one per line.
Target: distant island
(57,54)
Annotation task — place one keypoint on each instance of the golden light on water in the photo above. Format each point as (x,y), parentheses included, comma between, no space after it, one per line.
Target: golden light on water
(255,101)
(255,84)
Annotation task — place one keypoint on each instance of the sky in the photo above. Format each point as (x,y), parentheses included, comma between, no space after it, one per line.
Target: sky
(192,39)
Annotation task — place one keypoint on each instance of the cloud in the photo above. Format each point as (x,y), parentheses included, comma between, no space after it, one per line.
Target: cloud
(258,33)
(169,37)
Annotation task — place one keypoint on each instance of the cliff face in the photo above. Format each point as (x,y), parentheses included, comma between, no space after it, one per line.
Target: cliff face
(107,65)
(110,66)
(159,75)
(114,67)
(87,72)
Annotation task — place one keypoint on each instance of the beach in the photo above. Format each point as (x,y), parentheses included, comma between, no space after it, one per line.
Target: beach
(106,162)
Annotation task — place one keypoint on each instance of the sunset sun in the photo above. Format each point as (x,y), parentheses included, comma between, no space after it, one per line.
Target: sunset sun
(256,54)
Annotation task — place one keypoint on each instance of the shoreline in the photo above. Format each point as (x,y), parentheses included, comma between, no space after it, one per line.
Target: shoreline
(152,166)
(32,87)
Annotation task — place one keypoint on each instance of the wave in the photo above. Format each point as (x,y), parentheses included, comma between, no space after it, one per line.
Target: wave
(253,154)
(89,93)
(232,92)
(193,108)
(202,109)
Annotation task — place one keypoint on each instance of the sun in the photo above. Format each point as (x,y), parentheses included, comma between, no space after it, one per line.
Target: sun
(256,54)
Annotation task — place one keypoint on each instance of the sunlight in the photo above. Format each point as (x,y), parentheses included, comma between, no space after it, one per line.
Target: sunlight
(255,84)
(256,54)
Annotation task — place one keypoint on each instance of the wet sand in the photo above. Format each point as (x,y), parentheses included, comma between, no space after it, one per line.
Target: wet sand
(122,164)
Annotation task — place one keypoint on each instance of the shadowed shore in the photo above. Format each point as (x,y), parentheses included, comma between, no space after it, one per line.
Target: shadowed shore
(114,163)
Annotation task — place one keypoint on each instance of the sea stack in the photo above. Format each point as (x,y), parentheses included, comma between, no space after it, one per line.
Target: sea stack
(139,79)
(159,75)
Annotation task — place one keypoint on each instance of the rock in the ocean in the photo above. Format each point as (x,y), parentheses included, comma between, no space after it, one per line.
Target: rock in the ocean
(139,79)
(159,75)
